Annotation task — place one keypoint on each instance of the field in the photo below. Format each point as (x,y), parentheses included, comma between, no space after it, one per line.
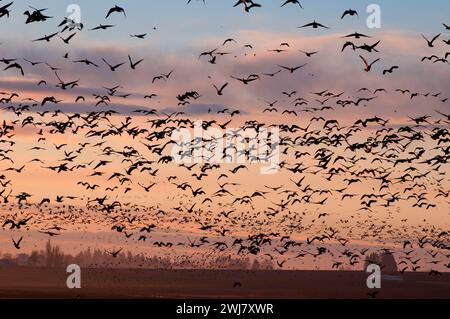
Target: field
(43,283)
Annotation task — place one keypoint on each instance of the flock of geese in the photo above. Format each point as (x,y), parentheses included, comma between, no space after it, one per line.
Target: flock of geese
(376,169)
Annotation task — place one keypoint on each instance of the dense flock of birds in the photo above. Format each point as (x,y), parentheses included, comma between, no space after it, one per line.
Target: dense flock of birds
(372,166)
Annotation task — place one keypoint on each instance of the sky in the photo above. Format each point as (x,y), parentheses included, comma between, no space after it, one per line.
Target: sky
(184,31)
(202,27)
(178,33)
(219,18)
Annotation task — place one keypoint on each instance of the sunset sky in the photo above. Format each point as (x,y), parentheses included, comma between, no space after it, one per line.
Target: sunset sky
(176,35)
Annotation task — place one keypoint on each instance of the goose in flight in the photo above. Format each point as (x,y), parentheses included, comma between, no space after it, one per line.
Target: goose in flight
(133,65)
(102,27)
(189,1)
(228,40)
(46,37)
(246,81)
(4,10)
(308,54)
(87,62)
(36,16)
(17,243)
(113,67)
(115,253)
(220,91)
(349,12)
(139,36)
(293,69)
(248,4)
(15,66)
(293,2)
(67,40)
(391,69)
(314,25)
(356,35)
(367,66)
(115,9)
(431,43)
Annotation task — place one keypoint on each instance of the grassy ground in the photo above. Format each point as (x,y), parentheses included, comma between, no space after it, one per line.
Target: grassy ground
(96,283)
